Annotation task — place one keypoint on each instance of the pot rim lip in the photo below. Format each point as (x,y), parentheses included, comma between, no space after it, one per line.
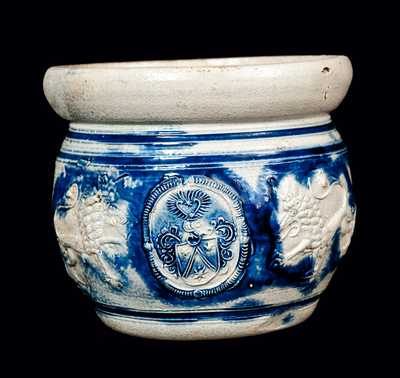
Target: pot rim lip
(239,89)
(208,63)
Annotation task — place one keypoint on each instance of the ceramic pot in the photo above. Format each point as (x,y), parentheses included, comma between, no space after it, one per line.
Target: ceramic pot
(202,199)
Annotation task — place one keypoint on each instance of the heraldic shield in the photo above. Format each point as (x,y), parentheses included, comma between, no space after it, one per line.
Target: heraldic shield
(195,234)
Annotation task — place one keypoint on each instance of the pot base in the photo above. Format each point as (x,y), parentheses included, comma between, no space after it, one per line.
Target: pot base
(207,329)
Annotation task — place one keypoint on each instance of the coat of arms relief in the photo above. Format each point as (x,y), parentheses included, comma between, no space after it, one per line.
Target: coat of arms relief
(195,234)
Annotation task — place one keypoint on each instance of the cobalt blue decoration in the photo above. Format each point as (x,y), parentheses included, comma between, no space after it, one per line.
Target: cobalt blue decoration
(197,219)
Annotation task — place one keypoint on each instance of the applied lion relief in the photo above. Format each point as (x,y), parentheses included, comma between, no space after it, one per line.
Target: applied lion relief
(92,230)
(195,235)
(309,217)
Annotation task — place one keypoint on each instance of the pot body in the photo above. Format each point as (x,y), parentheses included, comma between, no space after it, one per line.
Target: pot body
(203,231)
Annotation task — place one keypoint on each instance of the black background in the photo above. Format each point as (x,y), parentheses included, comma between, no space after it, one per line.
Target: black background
(57,321)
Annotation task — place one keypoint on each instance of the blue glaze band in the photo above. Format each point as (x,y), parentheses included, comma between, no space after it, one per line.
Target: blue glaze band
(223,314)
(173,137)
(117,158)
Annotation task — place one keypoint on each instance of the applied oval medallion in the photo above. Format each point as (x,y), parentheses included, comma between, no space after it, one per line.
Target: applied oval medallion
(195,235)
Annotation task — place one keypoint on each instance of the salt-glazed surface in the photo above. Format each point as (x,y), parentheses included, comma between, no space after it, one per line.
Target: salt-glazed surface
(202,199)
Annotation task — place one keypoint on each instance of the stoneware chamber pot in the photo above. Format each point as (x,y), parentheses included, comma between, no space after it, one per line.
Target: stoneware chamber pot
(202,199)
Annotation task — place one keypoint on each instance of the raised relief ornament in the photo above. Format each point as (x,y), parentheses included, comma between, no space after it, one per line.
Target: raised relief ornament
(91,230)
(309,218)
(195,235)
